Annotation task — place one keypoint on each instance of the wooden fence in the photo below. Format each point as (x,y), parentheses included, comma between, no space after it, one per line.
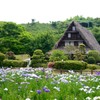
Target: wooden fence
(79,71)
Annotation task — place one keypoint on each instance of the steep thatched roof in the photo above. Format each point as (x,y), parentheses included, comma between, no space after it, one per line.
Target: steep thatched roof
(86,35)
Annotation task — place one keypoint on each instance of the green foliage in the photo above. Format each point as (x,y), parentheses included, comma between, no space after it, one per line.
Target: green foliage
(94,54)
(14,63)
(78,55)
(2,57)
(92,66)
(10,55)
(44,41)
(96,32)
(82,48)
(60,26)
(58,55)
(70,49)
(80,52)
(91,60)
(70,65)
(14,38)
(26,43)
(11,29)
(37,28)
(38,59)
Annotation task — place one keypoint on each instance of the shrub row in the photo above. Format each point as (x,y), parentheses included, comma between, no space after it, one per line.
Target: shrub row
(70,65)
(2,57)
(14,63)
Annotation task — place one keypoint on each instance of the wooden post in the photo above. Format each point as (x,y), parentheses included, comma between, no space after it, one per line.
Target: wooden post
(91,71)
(60,71)
(81,71)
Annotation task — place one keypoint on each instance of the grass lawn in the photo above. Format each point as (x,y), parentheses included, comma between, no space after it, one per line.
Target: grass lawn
(22,56)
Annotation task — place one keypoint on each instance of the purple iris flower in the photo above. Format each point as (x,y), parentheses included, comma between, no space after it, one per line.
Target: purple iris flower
(39,91)
(46,90)
(98,73)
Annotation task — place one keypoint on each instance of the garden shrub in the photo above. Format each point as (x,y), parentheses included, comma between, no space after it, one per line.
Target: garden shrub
(2,57)
(58,55)
(10,55)
(82,48)
(70,65)
(91,60)
(14,63)
(92,66)
(38,59)
(78,55)
(94,54)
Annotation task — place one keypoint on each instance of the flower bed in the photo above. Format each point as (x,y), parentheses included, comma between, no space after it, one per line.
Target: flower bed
(43,84)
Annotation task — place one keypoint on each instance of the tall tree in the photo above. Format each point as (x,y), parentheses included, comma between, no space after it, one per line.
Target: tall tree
(44,41)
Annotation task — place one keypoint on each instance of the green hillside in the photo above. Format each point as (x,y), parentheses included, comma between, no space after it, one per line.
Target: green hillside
(25,38)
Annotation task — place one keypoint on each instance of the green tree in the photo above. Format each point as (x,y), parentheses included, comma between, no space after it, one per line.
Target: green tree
(13,37)
(44,41)
(96,31)
(11,29)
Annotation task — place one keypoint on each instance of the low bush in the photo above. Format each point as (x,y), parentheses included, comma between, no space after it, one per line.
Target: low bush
(70,65)
(92,66)
(14,63)
(91,60)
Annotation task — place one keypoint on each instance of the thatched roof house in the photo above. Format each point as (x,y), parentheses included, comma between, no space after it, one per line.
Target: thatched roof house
(75,35)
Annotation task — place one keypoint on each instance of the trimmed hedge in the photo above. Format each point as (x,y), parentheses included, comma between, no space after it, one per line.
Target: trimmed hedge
(14,63)
(2,57)
(70,65)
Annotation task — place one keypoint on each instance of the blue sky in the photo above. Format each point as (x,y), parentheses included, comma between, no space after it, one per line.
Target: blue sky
(22,11)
